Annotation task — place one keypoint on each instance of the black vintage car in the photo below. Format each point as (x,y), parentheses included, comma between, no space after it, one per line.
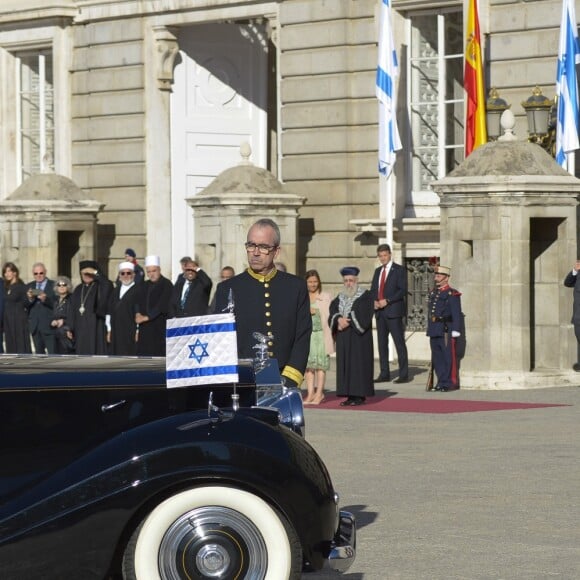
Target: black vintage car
(106,473)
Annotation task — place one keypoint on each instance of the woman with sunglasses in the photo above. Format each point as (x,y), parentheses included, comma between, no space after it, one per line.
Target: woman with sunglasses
(61,312)
(16,302)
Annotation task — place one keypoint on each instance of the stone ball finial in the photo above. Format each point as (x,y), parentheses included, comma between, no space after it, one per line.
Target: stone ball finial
(246,153)
(507,122)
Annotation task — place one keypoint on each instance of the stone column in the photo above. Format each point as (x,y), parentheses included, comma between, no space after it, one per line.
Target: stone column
(508,231)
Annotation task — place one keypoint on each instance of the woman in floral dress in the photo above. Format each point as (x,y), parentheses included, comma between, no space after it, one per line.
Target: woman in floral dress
(321,343)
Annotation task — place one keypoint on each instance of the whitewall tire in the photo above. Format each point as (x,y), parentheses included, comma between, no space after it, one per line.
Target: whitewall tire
(214,533)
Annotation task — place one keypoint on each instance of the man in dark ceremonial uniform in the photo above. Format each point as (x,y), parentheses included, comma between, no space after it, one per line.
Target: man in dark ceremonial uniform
(444,325)
(270,302)
(191,292)
(121,325)
(88,310)
(351,321)
(153,298)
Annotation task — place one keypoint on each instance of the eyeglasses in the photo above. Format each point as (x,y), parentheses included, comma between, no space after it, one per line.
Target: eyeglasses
(61,284)
(125,273)
(262,248)
(38,273)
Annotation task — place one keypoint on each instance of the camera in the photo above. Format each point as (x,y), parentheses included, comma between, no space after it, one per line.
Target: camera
(35,291)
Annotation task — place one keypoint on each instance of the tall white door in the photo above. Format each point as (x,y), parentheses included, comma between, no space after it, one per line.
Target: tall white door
(219,101)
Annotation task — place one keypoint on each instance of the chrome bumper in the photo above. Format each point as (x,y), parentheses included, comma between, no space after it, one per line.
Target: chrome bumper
(343,547)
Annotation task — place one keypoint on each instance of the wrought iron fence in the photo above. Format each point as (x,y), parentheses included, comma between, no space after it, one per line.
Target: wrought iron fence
(419,280)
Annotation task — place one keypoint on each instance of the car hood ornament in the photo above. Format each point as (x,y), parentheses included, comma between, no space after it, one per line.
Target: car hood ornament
(261,347)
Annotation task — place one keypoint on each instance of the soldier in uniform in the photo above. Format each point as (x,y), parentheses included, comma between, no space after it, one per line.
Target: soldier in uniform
(270,302)
(444,325)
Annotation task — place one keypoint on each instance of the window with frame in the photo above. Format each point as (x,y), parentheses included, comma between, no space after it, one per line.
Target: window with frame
(436,94)
(35,112)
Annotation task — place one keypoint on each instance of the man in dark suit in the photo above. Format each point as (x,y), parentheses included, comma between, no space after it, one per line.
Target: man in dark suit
(40,294)
(389,290)
(573,281)
(191,292)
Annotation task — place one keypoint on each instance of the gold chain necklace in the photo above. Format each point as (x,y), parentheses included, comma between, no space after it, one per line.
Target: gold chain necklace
(84,298)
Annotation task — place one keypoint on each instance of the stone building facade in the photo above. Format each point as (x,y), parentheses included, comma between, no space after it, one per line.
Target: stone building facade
(142,104)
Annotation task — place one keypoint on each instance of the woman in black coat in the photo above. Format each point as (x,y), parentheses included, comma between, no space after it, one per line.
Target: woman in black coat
(15,318)
(61,314)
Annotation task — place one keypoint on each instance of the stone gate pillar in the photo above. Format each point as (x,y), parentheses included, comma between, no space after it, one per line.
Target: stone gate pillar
(48,219)
(509,233)
(225,210)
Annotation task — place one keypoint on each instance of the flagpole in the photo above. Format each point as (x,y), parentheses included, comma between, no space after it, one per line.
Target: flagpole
(387,206)
(387,195)
(389,139)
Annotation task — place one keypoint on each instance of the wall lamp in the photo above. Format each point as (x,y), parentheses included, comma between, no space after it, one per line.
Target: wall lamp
(494,107)
(541,115)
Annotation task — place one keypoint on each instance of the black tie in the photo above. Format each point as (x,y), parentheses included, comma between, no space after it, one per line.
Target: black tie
(185,293)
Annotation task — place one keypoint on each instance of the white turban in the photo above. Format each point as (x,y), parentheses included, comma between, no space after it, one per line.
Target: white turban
(126,266)
(152,261)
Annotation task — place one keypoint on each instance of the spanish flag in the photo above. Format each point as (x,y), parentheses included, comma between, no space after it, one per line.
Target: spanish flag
(475,129)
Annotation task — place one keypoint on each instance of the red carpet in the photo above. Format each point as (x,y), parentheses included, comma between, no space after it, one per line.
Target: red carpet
(436,405)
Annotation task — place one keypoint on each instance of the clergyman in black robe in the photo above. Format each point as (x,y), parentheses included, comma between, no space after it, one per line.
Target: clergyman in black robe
(88,308)
(153,303)
(351,319)
(121,313)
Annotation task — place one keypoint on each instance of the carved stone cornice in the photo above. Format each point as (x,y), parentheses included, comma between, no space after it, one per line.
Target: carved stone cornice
(166,49)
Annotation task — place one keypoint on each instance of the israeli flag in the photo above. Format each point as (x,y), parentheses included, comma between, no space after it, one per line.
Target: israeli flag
(387,73)
(567,85)
(201,350)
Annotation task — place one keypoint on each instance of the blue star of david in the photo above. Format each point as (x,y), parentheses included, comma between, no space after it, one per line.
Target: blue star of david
(198,350)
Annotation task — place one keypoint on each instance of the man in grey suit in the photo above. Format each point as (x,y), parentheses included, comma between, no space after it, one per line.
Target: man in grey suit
(572,280)
(41,299)
(389,290)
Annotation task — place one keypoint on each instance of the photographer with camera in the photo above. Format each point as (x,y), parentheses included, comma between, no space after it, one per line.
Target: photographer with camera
(40,294)
(88,310)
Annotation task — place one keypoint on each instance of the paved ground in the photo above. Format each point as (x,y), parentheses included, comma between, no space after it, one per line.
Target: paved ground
(486,495)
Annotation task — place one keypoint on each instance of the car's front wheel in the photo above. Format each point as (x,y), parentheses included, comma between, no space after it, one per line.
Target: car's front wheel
(213,533)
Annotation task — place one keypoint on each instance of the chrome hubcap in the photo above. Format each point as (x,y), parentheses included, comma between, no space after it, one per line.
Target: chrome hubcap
(212,542)
(212,560)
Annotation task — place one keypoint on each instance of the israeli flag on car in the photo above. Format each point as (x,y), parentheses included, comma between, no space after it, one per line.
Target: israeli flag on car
(201,350)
